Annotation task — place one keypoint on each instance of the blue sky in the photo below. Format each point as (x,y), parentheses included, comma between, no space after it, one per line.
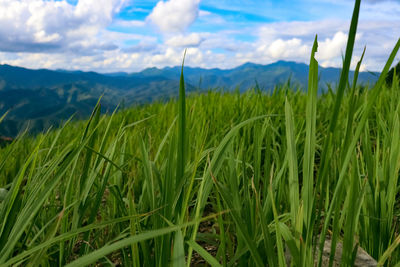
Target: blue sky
(130,35)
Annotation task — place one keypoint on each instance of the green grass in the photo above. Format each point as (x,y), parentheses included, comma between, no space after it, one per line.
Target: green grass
(248,175)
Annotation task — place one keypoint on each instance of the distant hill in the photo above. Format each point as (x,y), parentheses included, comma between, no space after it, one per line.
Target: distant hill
(40,98)
(246,75)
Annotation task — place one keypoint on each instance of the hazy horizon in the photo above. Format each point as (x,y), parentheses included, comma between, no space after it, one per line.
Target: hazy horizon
(174,66)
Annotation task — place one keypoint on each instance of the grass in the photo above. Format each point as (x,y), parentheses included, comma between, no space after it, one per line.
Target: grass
(228,178)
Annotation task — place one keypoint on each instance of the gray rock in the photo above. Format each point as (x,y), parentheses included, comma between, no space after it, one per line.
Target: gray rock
(363,259)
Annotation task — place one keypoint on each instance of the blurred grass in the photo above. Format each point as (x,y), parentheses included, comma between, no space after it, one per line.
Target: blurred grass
(61,186)
(228,178)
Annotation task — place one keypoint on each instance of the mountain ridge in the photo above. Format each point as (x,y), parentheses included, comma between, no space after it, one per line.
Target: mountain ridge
(43,97)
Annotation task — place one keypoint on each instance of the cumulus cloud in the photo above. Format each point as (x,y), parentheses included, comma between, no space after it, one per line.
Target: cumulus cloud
(129,23)
(142,47)
(302,29)
(378,35)
(88,36)
(332,47)
(174,15)
(190,40)
(37,25)
(280,49)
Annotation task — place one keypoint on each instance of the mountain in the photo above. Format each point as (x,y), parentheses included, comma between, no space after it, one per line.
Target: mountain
(41,98)
(248,74)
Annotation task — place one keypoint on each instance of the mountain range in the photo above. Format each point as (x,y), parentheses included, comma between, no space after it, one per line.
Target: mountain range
(40,98)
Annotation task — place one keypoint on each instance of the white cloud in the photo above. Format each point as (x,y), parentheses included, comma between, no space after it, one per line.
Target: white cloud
(174,15)
(302,29)
(204,13)
(37,25)
(98,11)
(190,40)
(129,23)
(332,48)
(280,49)
(55,34)
(378,35)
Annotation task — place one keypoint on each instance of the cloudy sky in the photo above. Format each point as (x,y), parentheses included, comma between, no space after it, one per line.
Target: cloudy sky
(130,35)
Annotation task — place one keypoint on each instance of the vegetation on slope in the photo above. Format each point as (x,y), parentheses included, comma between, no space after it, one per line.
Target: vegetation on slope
(43,98)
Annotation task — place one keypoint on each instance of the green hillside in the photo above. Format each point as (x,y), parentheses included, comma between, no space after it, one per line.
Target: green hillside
(38,99)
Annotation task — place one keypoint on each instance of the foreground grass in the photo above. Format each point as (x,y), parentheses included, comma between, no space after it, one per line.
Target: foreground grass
(110,188)
(234,179)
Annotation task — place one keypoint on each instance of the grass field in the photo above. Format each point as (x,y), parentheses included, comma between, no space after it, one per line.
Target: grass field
(227,178)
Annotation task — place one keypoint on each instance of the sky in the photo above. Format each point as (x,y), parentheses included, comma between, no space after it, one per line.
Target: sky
(131,35)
